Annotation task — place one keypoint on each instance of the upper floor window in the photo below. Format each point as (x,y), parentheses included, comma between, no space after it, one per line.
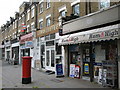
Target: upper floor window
(32,26)
(28,28)
(63,13)
(48,21)
(28,15)
(48,4)
(32,12)
(76,9)
(41,7)
(16,24)
(104,4)
(41,24)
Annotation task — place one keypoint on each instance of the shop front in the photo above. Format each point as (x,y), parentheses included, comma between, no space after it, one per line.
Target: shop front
(7,50)
(26,45)
(2,51)
(15,53)
(95,52)
(50,52)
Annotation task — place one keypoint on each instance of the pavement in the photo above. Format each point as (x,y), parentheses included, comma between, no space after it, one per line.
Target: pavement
(12,78)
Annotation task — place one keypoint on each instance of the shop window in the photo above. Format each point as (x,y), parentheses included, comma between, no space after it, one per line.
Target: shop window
(104,4)
(58,49)
(43,49)
(37,41)
(47,37)
(76,9)
(50,43)
(52,36)
(48,58)
(52,58)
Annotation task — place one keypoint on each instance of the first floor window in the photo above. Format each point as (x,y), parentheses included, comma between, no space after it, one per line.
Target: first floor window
(104,3)
(41,24)
(76,9)
(48,21)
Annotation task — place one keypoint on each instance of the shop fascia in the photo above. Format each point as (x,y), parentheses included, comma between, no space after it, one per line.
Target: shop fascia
(48,29)
(26,41)
(105,33)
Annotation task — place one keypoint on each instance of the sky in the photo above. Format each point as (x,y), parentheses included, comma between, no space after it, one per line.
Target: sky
(8,9)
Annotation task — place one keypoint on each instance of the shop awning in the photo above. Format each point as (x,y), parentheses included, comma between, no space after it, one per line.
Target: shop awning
(99,34)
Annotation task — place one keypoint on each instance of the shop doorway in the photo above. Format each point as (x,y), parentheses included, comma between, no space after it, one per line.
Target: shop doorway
(50,59)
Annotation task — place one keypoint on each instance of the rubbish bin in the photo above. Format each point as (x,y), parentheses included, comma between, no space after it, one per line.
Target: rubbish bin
(26,70)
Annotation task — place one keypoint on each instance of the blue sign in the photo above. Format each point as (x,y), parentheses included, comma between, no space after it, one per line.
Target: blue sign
(29,44)
(97,64)
(59,70)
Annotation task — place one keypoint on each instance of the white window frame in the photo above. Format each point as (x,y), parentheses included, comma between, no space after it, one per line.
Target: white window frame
(48,4)
(41,8)
(48,16)
(15,23)
(32,11)
(28,28)
(33,23)
(23,16)
(75,2)
(40,24)
(74,10)
(28,15)
(41,20)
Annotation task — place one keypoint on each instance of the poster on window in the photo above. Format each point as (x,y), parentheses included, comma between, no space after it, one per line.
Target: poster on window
(72,70)
(77,71)
(100,76)
(86,68)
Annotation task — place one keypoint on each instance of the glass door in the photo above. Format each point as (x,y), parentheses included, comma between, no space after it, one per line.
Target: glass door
(50,59)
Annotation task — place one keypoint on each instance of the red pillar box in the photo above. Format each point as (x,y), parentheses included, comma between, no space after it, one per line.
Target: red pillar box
(26,70)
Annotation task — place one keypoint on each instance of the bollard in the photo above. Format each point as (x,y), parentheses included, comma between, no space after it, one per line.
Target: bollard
(26,70)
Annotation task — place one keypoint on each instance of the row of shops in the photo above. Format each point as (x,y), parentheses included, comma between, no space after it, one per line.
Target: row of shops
(92,55)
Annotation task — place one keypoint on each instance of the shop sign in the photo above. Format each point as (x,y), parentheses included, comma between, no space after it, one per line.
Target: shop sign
(71,39)
(72,70)
(48,29)
(59,70)
(29,44)
(86,68)
(104,34)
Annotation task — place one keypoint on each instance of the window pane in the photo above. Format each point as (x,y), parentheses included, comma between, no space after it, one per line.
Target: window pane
(50,43)
(52,58)
(76,9)
(104,3)
(63,14)
(48,58)
(58,49)
(52,36)
(41,7)
(48,22)
(41,24)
